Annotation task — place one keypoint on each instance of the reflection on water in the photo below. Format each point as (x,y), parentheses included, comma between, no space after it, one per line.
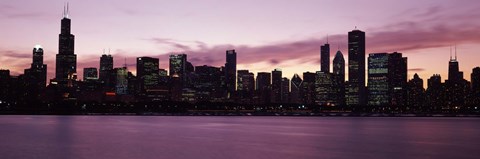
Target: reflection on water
(237,137)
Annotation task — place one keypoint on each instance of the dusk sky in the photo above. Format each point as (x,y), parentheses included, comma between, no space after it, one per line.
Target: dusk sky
(266,34)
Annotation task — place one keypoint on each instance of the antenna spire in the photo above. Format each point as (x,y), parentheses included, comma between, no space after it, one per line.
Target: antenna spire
(66,11)
(455,52)
(327,38)
(125,65)
(450,53)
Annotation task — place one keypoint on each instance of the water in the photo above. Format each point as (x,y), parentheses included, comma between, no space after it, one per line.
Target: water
(128,137)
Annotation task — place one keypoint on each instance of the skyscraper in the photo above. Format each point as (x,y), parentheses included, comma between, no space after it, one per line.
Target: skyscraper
(66,60)
(339,77)
(307,90)
(397,70)
(456,86)
(121,83)
(387,79)
(325,58)
(435,94)
(296,86)
(415,93)
(245,85)
(356,68)
(263,85)
(147,72)
(378,79)
(230,71)
(36,76)
(207,83)
(178,65)
(107,75)
(276,86)
(285,90)
(38,68)
(324,90)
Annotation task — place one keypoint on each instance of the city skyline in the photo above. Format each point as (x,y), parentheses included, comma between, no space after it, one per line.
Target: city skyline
(289,60)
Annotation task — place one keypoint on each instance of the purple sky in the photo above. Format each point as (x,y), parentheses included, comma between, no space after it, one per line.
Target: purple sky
(266,34)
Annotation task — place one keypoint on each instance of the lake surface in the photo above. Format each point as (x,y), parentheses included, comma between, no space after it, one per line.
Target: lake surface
(132,137)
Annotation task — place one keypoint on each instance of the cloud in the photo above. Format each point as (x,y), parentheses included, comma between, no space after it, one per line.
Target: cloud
(15,54)
(416,69)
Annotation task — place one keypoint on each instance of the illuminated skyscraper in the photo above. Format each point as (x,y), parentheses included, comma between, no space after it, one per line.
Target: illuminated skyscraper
(178,64)
(66,60)
(356,68)
(147,72)
(378,80)
(324,89)
(121,83)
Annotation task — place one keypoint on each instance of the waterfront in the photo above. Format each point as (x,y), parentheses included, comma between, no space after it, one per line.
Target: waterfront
(237,137)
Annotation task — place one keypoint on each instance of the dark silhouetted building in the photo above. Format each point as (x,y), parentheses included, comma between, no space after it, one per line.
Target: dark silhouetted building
(415,93)
(325,58)
(475,79)
(147,73)
(435,93)
(264,87)
(230,71)
(296,86)
(355,94)
(339,77)
(474,97)
(456,87)
(285,90)
(36,76)
(66,60)
(90,73)
(207,83)
(4,86)
(245,86)
(307,90)
(276,86)
(397,70)
(107,75)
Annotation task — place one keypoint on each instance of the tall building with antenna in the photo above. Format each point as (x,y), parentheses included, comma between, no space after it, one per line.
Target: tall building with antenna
(456,86)
(325,57)
(66,60)
(355,93)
